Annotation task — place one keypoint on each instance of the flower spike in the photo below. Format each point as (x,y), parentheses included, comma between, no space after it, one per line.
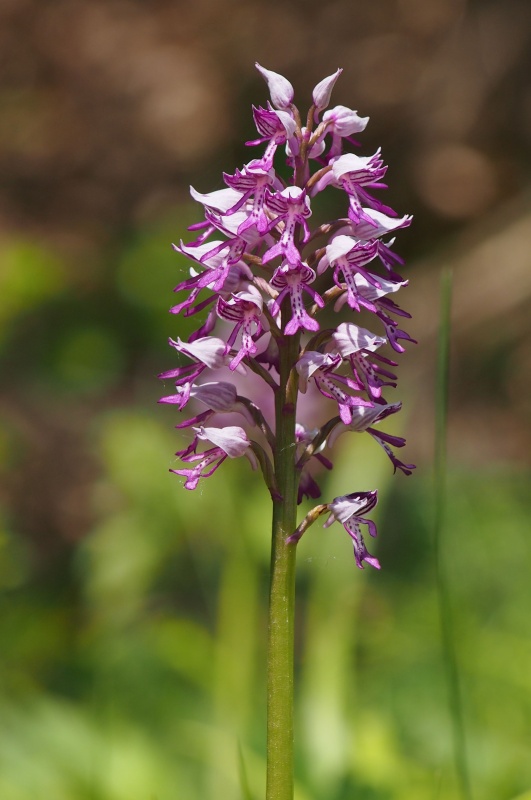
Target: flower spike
(262,281)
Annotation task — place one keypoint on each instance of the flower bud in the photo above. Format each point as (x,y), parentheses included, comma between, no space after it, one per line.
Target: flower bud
(280,88)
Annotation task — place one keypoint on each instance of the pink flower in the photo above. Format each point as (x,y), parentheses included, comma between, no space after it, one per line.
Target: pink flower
(348,510)
(293,207)
(292,281)
(254,263)
(229,442)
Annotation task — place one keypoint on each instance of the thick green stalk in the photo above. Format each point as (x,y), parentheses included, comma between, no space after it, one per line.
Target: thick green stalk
(282,587)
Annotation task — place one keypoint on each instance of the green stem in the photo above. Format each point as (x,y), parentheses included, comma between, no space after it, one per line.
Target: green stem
(282,587)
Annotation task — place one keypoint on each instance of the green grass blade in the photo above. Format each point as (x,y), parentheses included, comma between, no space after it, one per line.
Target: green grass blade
(244,780)
(444,601)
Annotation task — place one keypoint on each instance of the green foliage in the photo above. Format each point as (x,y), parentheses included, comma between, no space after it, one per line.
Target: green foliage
(30,276)
(135,667)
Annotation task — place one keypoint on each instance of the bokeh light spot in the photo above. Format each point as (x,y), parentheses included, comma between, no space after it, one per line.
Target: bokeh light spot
(456,180)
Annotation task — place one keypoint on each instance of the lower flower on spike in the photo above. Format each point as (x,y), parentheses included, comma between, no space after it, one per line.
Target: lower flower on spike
(231,441)
(348,510)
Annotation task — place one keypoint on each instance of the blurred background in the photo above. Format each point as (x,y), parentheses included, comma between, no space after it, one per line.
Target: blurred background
(133,613)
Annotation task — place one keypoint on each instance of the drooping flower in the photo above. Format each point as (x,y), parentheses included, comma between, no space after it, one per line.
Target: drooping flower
(358,345)
(348,510)
(322,369)
(230,441)
(363,419)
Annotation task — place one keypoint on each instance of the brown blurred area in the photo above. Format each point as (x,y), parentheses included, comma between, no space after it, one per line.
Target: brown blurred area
(109,110)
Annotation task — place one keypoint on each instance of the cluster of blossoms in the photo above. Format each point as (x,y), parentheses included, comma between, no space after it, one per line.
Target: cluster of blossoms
(256,266)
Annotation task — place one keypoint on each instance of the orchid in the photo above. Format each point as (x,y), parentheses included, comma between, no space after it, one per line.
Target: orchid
(348,510)
(230,442)
(263,282)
